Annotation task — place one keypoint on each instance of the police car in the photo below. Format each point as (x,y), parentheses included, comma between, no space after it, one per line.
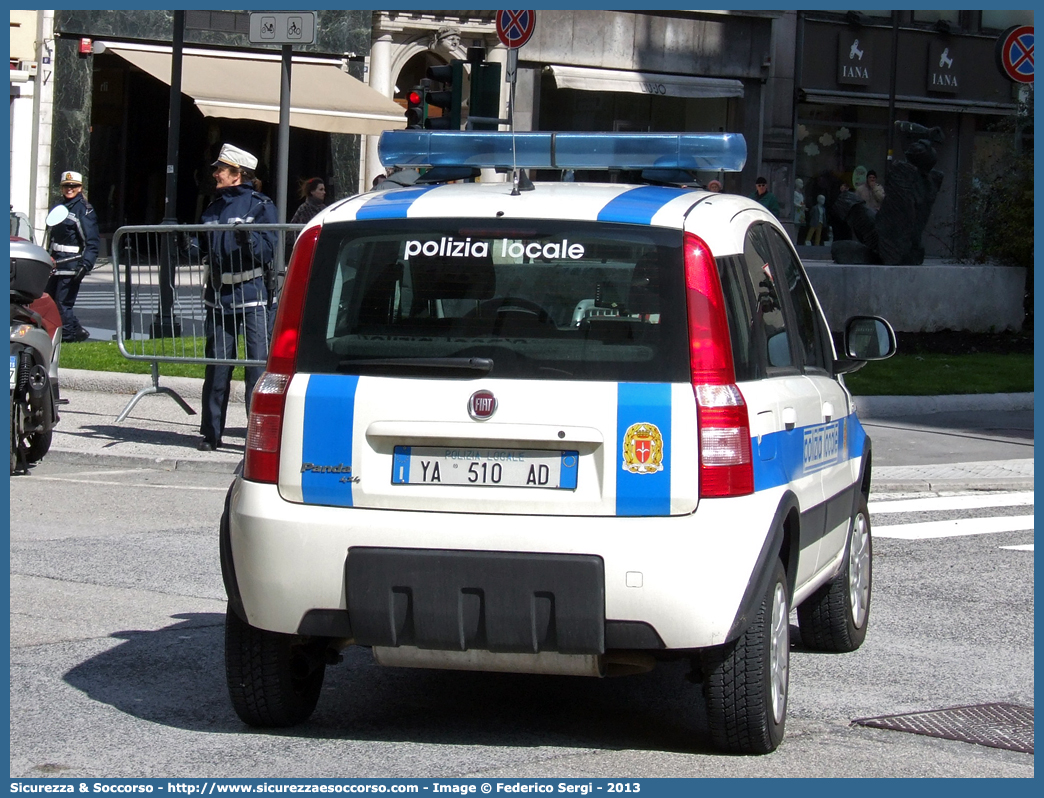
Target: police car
(559,428)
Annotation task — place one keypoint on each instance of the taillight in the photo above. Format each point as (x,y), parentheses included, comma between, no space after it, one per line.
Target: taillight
(267,403)
(726,465)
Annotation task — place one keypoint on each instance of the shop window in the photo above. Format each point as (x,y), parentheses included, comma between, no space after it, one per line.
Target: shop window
(1002,20)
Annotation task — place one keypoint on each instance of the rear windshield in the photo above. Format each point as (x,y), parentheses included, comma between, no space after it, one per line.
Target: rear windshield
(545,300)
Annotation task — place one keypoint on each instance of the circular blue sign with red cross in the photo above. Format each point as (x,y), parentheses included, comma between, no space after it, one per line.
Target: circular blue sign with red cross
(515,27)
(1015,53)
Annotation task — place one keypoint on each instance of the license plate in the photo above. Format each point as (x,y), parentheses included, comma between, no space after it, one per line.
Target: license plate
(510,468)
(14,371)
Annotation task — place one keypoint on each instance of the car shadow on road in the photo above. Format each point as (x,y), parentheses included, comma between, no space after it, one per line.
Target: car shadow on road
(175,676)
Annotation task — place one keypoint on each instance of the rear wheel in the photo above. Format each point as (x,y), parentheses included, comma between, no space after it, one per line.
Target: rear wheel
(273,679)
(745,682)
(835,617)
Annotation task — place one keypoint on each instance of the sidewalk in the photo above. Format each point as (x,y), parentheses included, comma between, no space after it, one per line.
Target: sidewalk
(158,433)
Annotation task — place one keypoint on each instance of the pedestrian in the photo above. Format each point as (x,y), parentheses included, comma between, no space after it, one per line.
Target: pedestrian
(871,192)
(765,197)
(313,192)
(378,179)
(74,245)
(816,220)
(714,185)
(799,203)
(235,296)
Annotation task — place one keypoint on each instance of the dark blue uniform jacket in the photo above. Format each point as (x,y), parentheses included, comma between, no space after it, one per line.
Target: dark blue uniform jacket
(75,242)
(238,259)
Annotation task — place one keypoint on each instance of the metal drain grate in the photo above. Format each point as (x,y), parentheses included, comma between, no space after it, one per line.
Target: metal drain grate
(1007,726)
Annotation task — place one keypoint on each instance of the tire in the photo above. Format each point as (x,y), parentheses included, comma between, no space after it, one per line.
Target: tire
(14,437)
(745,682)
(39,444)
(835,617)
(273,679)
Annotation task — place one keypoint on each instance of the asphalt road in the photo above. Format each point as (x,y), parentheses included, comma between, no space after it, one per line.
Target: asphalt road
(116,664)
(951,437)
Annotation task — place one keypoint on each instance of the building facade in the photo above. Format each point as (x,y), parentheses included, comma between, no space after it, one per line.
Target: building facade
(859,72)
(812,93)
(32,93)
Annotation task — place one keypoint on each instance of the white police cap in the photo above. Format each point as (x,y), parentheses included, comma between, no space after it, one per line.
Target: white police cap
(233,156)
(72,178)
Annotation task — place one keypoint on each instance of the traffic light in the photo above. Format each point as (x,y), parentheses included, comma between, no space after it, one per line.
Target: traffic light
(449,98)
(485,95)
(416,108)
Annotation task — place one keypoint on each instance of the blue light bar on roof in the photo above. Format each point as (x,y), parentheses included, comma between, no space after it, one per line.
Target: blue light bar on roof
(544,150)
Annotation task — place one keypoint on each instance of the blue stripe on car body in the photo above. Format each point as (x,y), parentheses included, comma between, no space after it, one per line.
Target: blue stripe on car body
(643,493)
(392,204)
(329,417)
(788,463)
(639,205)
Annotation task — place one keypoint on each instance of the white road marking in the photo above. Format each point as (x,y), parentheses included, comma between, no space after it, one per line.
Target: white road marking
(955,528)
(963,502)
(1023,547)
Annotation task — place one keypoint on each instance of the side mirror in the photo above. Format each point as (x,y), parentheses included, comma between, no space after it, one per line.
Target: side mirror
(58,214)
(866,338)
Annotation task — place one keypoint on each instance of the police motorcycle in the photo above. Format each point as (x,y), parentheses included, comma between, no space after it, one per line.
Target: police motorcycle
(36,337)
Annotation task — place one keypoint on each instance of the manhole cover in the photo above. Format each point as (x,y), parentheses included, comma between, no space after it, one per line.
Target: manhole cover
(1007,726)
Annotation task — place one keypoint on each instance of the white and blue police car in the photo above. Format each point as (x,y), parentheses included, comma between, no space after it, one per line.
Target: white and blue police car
(551,427)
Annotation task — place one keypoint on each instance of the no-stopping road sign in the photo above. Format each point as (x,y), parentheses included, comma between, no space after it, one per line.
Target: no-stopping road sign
(515,27)
(1015,53)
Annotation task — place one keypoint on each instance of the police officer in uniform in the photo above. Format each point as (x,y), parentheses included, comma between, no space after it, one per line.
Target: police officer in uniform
(74,247)
(235,296)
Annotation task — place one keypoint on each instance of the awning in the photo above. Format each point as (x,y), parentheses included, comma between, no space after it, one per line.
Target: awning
(907,102)
(246,86)
(655,83)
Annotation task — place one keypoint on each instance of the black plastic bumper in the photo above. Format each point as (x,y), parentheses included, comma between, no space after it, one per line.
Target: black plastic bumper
(460,600)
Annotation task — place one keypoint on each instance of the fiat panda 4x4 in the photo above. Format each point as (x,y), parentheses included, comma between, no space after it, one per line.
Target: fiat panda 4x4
(572,429)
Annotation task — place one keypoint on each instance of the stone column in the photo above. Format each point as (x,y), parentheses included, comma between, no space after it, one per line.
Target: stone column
(43,107)
(381,81)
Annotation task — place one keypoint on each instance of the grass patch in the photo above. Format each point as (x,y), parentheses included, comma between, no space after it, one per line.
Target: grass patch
(106,356)
(934,374)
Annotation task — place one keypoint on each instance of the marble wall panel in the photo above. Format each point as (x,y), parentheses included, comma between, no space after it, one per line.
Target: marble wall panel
(618,33)
(71,120)
(729,46)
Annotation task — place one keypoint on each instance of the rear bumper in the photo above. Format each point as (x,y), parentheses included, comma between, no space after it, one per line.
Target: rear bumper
(498,582)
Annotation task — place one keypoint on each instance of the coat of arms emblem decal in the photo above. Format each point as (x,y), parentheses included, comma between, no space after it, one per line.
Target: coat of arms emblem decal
(643,449)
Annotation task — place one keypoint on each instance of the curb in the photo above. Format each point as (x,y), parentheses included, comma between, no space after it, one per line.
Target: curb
(122,383)
(189,464)
(892,406)
(72,457)
(921,485)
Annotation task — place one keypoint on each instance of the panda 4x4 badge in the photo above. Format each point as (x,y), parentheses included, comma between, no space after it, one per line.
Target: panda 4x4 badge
(643,449)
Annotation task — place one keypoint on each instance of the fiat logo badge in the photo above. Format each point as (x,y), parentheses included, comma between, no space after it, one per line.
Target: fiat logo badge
(482,405)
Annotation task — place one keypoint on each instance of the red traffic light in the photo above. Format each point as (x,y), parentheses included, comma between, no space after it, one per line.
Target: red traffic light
(414,98)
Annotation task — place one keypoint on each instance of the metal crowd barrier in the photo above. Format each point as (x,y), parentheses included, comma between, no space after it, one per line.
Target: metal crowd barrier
(159,276)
